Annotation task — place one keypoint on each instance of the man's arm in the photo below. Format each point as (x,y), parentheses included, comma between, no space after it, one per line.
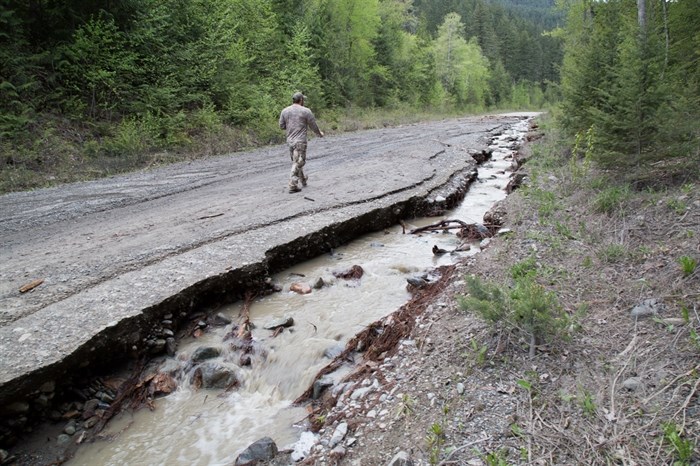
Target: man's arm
(313,125)
(283,121)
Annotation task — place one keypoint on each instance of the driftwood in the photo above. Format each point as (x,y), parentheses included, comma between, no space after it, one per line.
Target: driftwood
(31,285)
(244,327)
(470,231)
(441,225)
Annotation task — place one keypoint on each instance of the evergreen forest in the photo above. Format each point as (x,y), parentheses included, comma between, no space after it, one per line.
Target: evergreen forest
(91,88)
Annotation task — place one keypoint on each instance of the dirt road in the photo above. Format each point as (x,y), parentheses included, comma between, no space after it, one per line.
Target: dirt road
(116,255)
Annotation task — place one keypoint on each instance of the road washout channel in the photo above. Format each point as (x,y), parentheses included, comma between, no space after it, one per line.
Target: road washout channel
(225,392)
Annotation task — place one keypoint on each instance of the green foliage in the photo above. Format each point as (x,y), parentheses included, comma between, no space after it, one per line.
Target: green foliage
(435,440)
(525,268)
(546,201)
(460,66)
(496,458)
(131,78)
(527,308)
(588,403)
(479,352)
(611,199)
(612,253)
(677,205)
(681,448)
(631,83)
(688,265)
(406,406)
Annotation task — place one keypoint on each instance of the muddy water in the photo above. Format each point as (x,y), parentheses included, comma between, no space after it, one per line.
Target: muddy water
(207,427)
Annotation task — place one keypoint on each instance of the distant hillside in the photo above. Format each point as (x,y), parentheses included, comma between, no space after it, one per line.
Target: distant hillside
(540,12)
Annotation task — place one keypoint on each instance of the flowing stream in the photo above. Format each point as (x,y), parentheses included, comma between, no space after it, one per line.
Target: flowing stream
(208,427)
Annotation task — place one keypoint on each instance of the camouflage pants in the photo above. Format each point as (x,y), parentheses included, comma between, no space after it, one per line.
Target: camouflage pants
(298,154)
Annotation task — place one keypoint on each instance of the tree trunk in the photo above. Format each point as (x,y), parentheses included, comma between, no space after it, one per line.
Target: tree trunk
(642,15)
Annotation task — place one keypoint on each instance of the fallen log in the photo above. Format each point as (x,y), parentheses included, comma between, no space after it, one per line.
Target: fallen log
(441,225)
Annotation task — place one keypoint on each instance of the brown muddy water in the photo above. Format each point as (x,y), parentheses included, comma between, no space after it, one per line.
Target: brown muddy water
(210,427)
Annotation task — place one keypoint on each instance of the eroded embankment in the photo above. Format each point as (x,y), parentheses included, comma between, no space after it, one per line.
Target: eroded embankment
(153,331)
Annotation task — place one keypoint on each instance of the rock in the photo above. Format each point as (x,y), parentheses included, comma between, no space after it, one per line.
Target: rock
(646,308)
(90,423)
(339,434)
(418,282)
(303,447)
(320,385)
(170,346)
(48,387)
(633,384)
(485,243)
(402,458)
(353,273)
(460,388)
(286,321)
(214,375)
(515,182)
(205,352)
(163,384)
(440,199)
(264,449)
(158,346)
(333,352)
(219,320)
(338,452)
(360,393)
(18,407)
(4,455)
(69,429)
(320,283)
(63,439)
(301,288)
(90,407)
(438,251)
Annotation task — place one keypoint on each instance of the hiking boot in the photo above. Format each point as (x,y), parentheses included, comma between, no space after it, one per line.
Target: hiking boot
(294,189)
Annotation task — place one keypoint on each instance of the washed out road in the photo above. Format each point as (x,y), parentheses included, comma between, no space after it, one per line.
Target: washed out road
(111,249)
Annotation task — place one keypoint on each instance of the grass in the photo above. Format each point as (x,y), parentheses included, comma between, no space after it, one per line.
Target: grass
(681,448)
(688,265)
(611,199)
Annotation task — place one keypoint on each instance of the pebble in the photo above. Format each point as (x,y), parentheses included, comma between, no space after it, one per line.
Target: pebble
(460,388)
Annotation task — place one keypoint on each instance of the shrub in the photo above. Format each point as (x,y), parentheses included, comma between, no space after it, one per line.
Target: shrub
(527,308)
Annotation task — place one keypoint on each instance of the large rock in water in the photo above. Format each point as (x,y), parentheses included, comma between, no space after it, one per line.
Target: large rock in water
(264,449)
(353,273)
(301,288)
(286,321)
(205,352)
(214,375)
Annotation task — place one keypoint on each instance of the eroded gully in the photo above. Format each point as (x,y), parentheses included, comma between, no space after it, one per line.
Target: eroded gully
(209,426)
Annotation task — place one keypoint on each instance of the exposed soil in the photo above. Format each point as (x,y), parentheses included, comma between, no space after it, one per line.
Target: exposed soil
(620,390)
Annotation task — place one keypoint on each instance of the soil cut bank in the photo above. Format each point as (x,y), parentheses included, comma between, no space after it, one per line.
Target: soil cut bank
(110,259)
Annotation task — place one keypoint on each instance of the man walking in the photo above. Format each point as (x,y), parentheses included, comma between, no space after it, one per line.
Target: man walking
(296,119)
